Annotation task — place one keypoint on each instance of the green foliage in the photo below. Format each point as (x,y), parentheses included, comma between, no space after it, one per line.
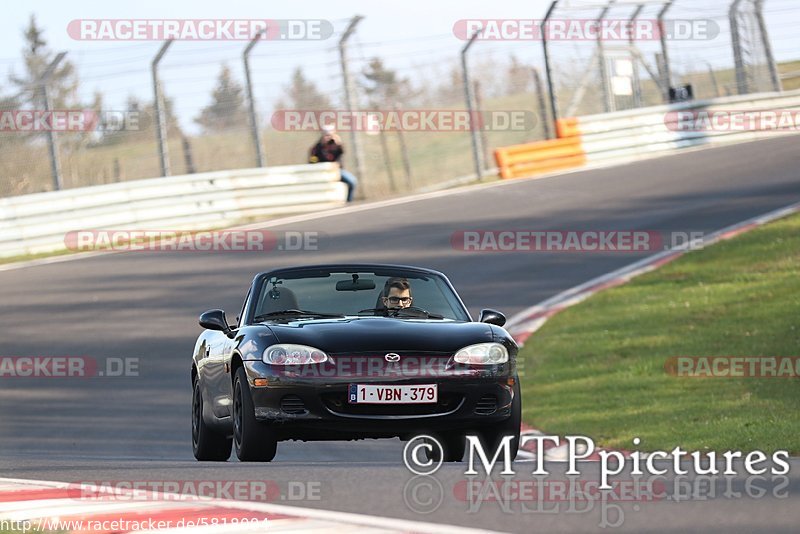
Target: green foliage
(227,108)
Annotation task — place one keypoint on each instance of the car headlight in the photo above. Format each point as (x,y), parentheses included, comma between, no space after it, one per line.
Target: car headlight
(288,354)
(483,354)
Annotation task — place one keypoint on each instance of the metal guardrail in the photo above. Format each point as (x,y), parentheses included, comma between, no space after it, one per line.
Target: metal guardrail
(38,223)
(645,132)
(640,133)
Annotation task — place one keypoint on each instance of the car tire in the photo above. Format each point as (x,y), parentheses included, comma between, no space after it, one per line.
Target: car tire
(453,446)
(494,434)
(207,444)
(252,439)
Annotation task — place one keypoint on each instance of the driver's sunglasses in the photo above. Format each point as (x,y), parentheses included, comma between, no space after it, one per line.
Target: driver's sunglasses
(398,300)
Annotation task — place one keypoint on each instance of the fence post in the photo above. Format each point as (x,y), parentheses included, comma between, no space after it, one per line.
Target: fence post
(537,81)
(404,152)
(741,75)
(187,155)
(349,94)
(608,105)
(476,150)
(476,88)
(762,29)
(52,142)
(547,68)
(251,101)
(637,88)
(161,121)
(667,83)
(713,77)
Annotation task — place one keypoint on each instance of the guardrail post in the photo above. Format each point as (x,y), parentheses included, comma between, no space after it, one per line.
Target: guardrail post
(667,74)
(349,94)
(713,77)
(476,150)
(158,104)
(52,142)
(762,29)
(608,105)
(251,101)
(547,67)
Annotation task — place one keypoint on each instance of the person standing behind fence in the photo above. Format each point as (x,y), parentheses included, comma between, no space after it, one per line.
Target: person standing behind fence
(328,149)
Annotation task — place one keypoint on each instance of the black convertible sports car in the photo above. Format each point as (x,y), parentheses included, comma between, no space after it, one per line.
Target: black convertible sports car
(340,352)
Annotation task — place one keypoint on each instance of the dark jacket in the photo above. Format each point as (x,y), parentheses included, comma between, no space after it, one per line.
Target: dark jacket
(330,151)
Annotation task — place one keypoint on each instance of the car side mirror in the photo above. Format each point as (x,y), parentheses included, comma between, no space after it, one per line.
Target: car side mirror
(215,320)
(492,317)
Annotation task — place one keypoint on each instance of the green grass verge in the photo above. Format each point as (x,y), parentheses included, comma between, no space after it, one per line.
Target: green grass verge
(597,369)
(30,531)
(30,257)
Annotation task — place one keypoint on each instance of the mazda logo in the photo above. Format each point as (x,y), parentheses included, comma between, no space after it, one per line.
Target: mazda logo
(392,357)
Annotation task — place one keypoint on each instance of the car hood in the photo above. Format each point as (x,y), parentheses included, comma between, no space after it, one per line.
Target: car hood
(368,334)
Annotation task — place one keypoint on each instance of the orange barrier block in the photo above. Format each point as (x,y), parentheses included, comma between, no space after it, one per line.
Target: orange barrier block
(567,128)
(543,156)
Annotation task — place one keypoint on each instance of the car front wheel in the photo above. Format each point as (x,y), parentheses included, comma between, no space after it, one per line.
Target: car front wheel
(453,446)
(494,434)
(252,439)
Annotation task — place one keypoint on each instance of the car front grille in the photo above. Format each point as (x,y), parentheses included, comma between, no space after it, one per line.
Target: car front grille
(487,405)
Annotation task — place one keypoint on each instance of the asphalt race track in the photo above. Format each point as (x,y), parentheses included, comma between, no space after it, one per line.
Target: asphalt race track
(145,305)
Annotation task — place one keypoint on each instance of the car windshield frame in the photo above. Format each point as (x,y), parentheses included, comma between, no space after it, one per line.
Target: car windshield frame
(260,282)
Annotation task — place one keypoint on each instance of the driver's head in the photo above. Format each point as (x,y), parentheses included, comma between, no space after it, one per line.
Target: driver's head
(397,293)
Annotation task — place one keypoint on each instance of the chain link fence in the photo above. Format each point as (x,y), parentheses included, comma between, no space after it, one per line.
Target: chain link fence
(206,117)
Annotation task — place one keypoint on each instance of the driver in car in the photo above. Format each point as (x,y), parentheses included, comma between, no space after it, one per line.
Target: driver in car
(397,294)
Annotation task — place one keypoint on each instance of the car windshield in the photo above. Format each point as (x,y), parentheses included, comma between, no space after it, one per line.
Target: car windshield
(354,293)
